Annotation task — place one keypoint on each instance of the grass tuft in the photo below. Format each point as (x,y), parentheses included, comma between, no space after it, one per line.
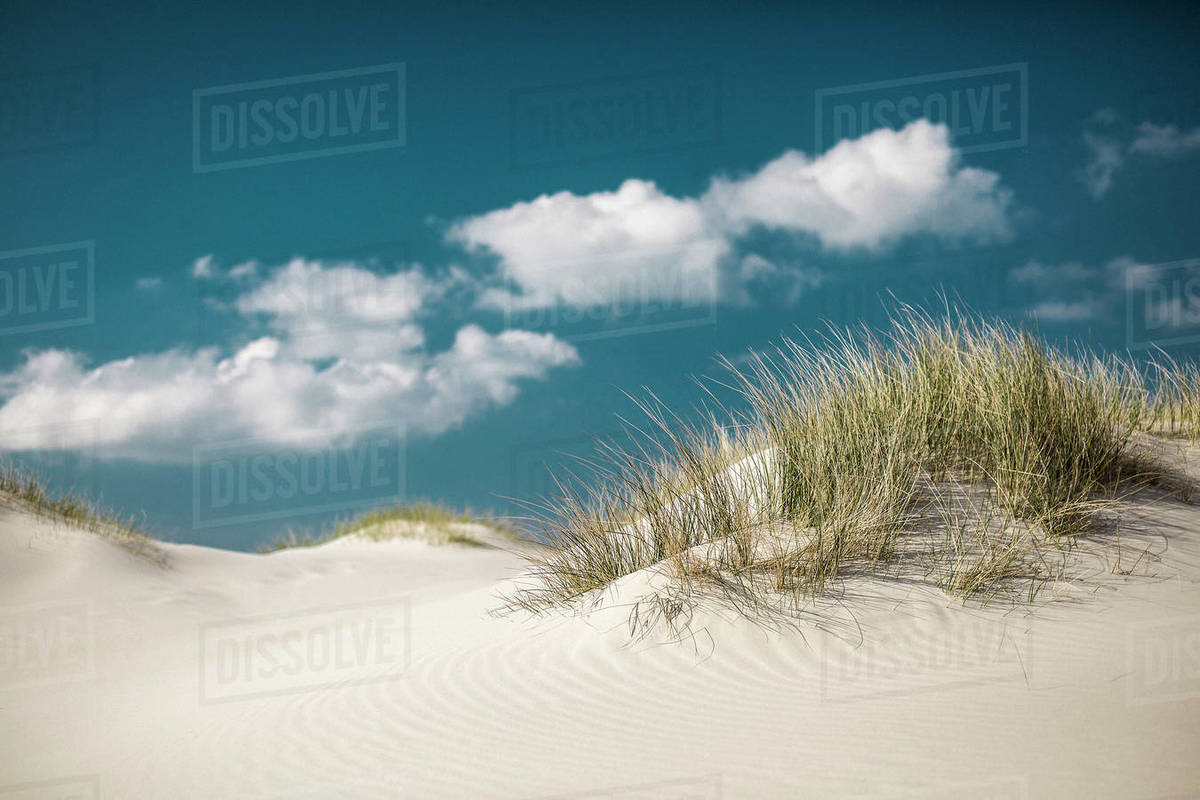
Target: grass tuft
(424,521)
(29,493)
(957,448)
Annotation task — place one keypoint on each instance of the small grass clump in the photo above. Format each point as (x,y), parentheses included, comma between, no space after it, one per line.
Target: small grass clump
(29,493)
(955,449)
(424,521)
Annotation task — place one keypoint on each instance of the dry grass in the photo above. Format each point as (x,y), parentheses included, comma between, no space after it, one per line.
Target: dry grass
(424,521)
(962,451)
(27,492)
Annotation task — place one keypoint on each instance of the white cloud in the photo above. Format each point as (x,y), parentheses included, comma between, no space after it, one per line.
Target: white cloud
(245,270)
(866,193)
(204,267)
(150,284)
(278,388)
(344,345)
(1037,273)
(1074,292)
(1164,141)
(1105,153)
(758,277)
(302,292)
(1054,311)
(591,249)
(870,192)
(323,310)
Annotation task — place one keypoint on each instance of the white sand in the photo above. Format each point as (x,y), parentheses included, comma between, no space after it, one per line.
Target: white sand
(1094,692)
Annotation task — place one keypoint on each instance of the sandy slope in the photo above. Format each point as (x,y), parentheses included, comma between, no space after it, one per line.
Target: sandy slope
(121,678)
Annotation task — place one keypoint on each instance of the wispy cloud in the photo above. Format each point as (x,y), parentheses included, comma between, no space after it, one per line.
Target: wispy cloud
(1105,153)
(204,267)
(1075,311)
(1110,144)
(1075,292)
(757,278)
(1164,141)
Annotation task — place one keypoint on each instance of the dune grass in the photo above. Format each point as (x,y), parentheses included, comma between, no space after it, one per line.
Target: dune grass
(68,508)
(961,451)
(422,520)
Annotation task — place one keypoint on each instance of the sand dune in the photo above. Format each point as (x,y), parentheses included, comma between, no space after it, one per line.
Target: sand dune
(366,669)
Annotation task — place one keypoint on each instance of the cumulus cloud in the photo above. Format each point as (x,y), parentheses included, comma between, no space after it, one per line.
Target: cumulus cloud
(1110,145)
(869,192)
(323,310)
(345,349)
(148,284)
(583,250)
(864,194)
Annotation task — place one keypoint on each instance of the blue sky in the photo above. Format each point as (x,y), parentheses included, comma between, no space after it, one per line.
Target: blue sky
(706,184)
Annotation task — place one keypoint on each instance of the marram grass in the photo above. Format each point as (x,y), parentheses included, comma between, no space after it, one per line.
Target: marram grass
(24,489)
(421,520)
(958,449)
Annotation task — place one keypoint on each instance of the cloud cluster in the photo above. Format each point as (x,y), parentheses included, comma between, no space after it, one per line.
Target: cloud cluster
(327,347)
(346,349)
(864,194)
(1075,292)
(1110,144)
